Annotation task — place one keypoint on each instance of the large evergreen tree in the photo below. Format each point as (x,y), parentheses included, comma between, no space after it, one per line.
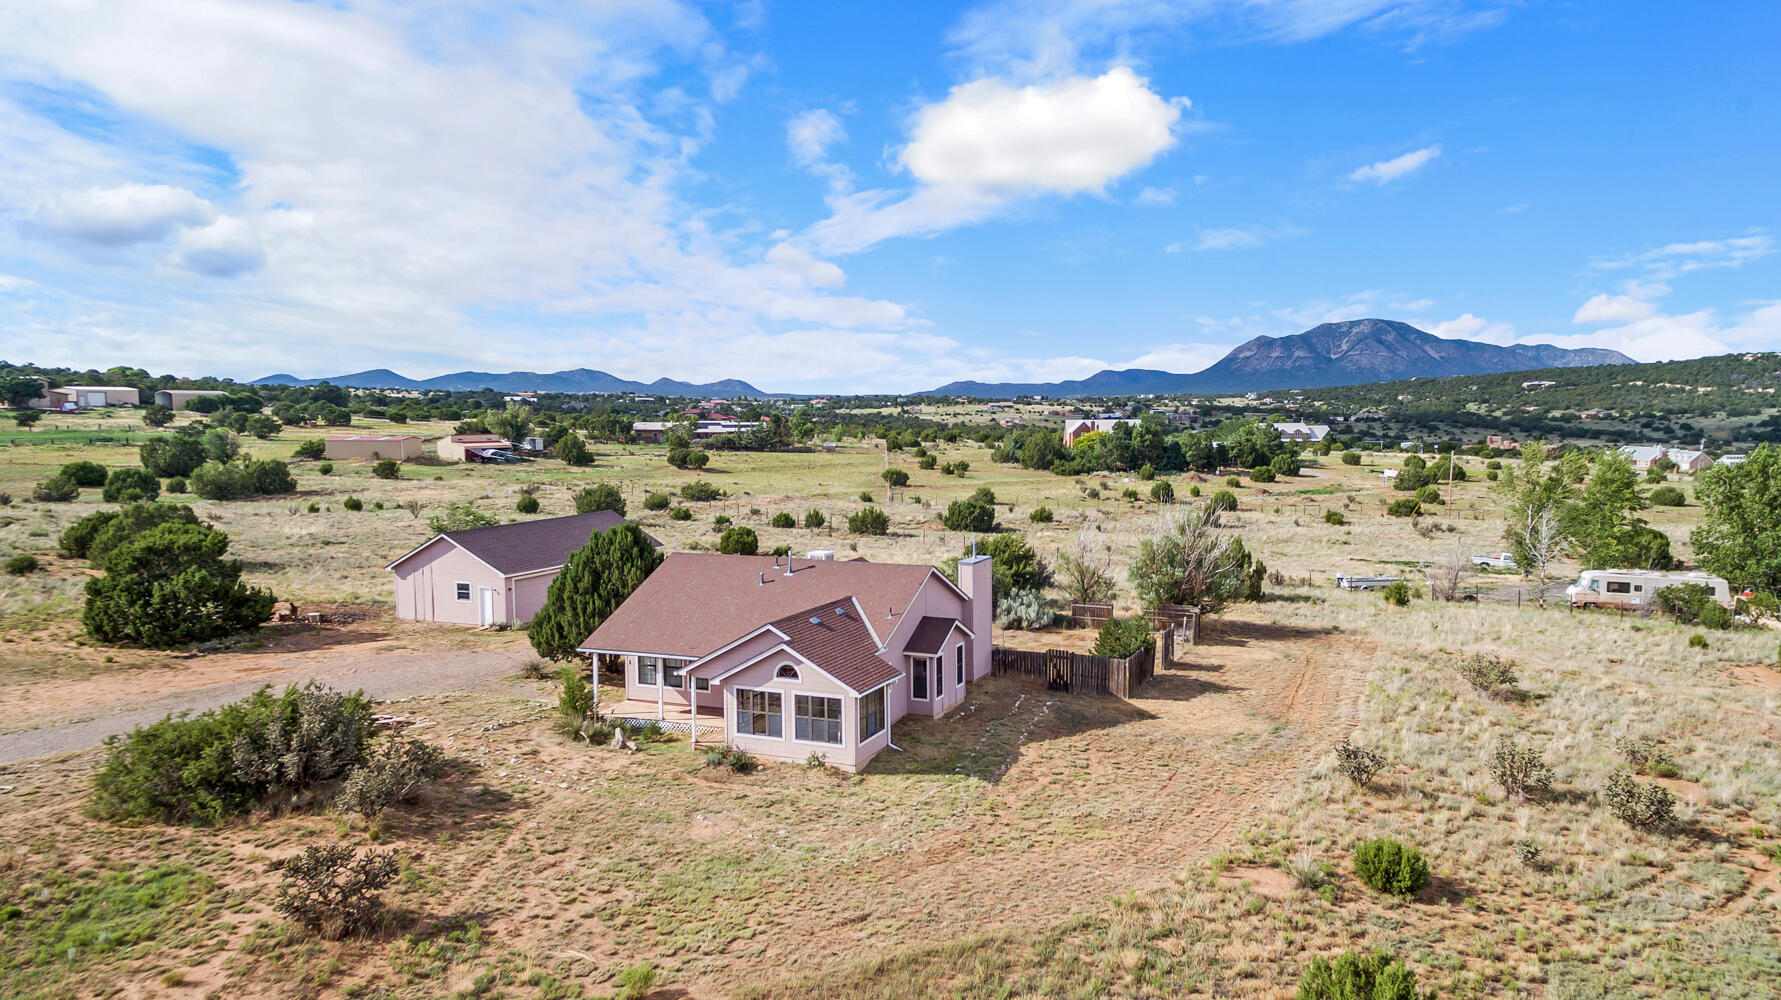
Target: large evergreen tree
(591,586)
(1740,535)
(171,585)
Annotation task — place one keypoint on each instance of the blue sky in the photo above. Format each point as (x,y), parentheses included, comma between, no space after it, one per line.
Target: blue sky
(875,197)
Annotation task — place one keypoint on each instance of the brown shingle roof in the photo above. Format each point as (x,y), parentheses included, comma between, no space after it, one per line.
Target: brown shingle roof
(696,602)
(832,636)
(529,546)
(930,634)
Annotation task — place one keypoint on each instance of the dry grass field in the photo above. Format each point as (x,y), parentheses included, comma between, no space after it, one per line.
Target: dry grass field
(1195,841)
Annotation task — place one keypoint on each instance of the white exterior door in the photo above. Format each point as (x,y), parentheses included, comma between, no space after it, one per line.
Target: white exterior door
(485,606)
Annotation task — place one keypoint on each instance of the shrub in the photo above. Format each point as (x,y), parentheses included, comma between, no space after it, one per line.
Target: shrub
(1234,482)
(1488,672)
(157,416)
(1668,496)
(1685,603)
(526,504)
(677,457)
(1222,501)
(1128,493)
(969,515)
(1286,464)
(394,773)
(600,496)
(1715,616)
(1391,866)
(927,462)
(1646,757)
(1261,474)
(1697,641)
(21,564)
(680,513)
(1022,609)
(813,518)
(1397,594)
(701,490)
(1162,492)
(95,535)
(869,521)
(84,473)
(460,517)
(1640,804)
(1040,515)
(170,585)
(657,501)
(1357,763)
(312,448)
(1334,517)
(1520,770)
(326,468)
(387,468)
(866,496)
(56,489)
(742,763)
(783,520)
(335,890)
(1404,507)
(178,485)
(1351,458)
(738,541)
(896,478)
(129,485)
(696,460)
(1358,977)
(187,769)
(171,455)
(1122,637)
(353,503)
(572,450)
(984,495)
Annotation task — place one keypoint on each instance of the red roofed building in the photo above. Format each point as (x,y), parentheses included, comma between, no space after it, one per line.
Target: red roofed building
(785,658)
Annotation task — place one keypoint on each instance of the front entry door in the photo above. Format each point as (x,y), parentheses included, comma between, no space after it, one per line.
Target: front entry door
(486,606)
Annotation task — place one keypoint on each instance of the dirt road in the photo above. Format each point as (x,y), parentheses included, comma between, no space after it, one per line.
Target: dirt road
(47,720)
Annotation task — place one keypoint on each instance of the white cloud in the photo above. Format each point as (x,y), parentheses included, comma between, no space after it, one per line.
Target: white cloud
(1469,327)
(223,249)
(1241,238)
(991,142)
(1155,197)
(120,215)
(1605,308)
(1672,260)
(1179,358)
(1073,136)
(14,283)
(813,272)
(1386,171)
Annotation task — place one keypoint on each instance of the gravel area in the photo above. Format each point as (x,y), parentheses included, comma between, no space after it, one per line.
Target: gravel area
(384,675)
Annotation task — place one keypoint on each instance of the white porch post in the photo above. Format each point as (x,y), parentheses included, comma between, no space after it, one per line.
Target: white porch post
(693,694)
(660,670)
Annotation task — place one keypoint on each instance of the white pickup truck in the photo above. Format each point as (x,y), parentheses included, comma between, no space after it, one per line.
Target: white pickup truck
(1498,560)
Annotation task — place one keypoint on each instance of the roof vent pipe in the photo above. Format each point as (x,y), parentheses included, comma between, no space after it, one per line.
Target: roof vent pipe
(788,565)
(763,582)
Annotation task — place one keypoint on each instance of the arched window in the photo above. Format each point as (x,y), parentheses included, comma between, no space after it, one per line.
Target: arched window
(786,671)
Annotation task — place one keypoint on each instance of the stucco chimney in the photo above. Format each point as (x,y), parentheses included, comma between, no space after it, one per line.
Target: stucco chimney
(975,580)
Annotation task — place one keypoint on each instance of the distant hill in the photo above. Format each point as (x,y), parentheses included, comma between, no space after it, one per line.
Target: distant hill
(574,380)
(1347,353)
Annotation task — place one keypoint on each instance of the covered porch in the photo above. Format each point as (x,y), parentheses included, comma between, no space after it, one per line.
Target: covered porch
(708,724)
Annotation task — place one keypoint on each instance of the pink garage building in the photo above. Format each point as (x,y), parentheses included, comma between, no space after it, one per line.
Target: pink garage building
(371,447)
(490,576)
(787,658)
(471,447)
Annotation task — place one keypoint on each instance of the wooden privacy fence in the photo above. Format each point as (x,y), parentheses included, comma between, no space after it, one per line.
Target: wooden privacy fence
(1062,670)
(1089,615)
(1183,619)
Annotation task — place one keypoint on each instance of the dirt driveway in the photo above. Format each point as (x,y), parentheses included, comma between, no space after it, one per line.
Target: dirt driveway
(51,716)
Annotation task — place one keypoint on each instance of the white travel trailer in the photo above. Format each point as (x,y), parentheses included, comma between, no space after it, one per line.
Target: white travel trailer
(1636,588)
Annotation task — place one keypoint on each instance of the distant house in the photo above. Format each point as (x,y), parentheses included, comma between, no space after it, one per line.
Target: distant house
(1500,442)
(1642,456)
(87,397)
(1596,414)
(785,658)
(1302,432)
(1688,462)
(1075,430)
(1537,384)
(490,576)
(649,431)
(471,447)
(179,399)
(371,447)
(1735,459)
(1368,415)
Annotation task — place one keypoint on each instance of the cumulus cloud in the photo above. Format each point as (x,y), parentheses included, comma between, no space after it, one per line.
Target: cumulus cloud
(811,133)
(122,214)
(991,142)
(1386,171)
(223,249)
(1605,308)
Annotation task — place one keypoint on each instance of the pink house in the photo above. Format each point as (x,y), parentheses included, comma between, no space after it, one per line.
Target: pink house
(490,576)
(785,658)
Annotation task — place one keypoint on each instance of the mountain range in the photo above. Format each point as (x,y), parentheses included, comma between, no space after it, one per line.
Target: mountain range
(574,380)
(1346,353)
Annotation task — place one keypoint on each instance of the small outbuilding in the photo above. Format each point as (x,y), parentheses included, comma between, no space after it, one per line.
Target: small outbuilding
(471,447)
(372,447)
(494,575)
(87,397)
(179,399)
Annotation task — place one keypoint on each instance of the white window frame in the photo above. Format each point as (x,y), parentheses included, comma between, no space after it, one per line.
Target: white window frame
(654,667)
(463,591)
(775,715)
(919,689)
(674,676)
(958,653)
(839,719)
(939,692)
(787,671)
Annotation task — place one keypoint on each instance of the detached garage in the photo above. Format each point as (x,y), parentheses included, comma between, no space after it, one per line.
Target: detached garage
(371,447)
(494,575)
